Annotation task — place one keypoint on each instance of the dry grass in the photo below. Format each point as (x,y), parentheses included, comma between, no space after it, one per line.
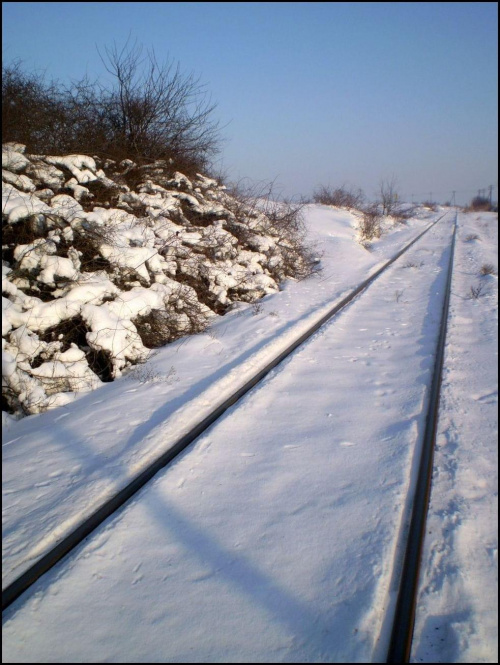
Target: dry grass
(488,269)
(475,292)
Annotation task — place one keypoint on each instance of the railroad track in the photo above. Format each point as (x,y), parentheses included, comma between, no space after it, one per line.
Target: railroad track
(404,619)
(23,582)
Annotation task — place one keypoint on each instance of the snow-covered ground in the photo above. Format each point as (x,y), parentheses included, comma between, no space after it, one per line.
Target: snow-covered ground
(177,388)
(457,619)
(274,536)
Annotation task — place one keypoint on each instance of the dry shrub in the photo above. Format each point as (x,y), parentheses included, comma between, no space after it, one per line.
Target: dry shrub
(299,259)
(155,329)
(33,110)
(23,232)
(149,111)
(257,206)
(183,315)
(403,214)
(488,269)
(370,224)
(475,292)
(74,331)
(101,195)
(201,286)
(340,197)
(10,401)
(87,240)
(67,332)
(480,204)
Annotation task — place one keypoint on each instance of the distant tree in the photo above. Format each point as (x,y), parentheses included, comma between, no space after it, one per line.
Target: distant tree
(388,195)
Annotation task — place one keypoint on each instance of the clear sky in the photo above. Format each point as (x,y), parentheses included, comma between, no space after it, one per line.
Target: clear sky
(309,93)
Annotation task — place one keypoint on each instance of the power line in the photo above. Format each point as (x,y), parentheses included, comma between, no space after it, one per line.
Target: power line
(484,192)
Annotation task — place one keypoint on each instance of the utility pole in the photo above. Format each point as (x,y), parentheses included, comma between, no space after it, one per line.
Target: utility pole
(491,193)
(453,198)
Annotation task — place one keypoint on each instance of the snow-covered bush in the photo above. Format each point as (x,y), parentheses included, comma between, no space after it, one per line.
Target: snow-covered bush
(103,261)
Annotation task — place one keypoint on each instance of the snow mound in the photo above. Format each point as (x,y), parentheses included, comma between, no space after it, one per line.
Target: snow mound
(101,262)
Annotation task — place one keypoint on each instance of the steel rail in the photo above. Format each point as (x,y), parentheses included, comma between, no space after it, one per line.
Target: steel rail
(404,618)
(90,523)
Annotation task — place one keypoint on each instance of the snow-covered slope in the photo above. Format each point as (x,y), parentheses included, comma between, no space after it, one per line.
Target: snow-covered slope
(105,261)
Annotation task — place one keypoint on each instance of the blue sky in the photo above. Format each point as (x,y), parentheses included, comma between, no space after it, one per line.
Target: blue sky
(309,93)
